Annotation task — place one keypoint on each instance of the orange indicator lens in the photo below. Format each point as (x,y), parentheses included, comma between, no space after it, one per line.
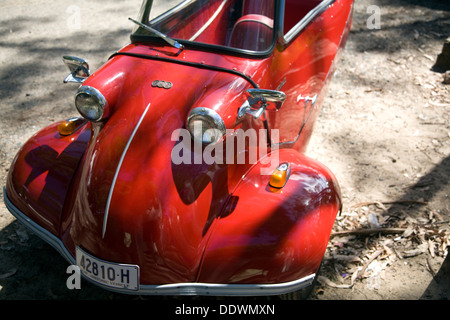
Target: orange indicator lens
(280,176)
(69,126)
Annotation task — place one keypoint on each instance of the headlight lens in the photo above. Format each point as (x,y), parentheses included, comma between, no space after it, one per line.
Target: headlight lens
(90,103)
(205,126)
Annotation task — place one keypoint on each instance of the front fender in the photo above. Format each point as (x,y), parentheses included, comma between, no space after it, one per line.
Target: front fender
(41,174)
(274,236)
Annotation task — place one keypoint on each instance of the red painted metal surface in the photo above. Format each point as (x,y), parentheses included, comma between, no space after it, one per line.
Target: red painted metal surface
(191,222)
(267,236)
(41,174)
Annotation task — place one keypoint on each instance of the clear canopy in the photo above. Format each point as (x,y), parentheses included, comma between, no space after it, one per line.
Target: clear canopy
(240,24)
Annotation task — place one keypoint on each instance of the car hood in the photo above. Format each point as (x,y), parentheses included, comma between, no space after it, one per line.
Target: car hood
(133,205)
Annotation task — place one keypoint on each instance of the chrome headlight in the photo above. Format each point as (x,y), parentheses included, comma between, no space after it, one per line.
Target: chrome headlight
(90,103)
(205,125)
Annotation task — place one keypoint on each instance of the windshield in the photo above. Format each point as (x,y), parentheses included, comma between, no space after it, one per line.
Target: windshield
(239,24)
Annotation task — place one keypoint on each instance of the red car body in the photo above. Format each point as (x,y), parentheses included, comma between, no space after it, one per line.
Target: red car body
(110,187)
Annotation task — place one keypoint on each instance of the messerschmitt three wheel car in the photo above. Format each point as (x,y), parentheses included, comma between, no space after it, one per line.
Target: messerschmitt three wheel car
(186,172)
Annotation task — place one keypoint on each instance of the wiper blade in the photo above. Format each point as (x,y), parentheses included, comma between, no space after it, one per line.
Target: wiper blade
(170,41)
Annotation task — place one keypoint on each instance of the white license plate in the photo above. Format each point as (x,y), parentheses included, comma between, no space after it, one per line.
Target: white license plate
(115,275)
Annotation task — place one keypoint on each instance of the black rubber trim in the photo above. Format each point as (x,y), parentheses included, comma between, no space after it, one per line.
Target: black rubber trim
(187,63)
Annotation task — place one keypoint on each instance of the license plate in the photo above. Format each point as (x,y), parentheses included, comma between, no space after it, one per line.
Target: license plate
(115,275)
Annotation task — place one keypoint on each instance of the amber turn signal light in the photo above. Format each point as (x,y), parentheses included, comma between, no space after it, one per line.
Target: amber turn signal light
(71,125)
(280,176)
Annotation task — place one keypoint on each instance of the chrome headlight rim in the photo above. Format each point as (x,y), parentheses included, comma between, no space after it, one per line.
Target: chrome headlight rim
(218,125)
(100,102)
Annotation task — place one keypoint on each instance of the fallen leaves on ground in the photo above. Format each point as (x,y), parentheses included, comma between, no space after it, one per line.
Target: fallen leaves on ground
(369,237)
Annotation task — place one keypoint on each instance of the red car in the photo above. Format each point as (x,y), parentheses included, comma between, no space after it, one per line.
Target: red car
(186,172)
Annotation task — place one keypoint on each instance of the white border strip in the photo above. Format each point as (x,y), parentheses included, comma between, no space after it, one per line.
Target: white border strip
(108,202)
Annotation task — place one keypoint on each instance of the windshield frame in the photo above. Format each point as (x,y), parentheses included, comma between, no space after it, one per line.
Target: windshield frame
(144,17)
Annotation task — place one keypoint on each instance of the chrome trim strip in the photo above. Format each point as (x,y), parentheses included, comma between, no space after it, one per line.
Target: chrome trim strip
(138,38)
(307,99)
(208,23)
(163,16)
(314,98)
(41,232)
(194,288)
(116,174)
(306,20)
(218,289)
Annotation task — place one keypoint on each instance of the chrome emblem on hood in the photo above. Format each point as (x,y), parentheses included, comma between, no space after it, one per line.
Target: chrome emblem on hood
(162,84)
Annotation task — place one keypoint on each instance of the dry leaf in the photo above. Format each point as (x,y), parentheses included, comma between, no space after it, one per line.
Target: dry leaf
(431,247)
(422,248)
(409,231)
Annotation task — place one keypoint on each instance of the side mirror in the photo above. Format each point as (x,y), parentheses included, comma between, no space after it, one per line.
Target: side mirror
(260,100)
(79,69)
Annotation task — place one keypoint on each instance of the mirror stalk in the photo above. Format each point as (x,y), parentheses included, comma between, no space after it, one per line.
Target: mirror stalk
(261,100)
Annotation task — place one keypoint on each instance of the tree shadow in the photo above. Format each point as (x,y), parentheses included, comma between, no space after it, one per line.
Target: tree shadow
(32,270)
(192,178)
(398,31)
(31,92)
(34,81)
(439,287)
(437,180)
(431,4)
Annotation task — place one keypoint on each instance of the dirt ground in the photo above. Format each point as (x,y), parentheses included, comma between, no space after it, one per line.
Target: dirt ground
(384,130)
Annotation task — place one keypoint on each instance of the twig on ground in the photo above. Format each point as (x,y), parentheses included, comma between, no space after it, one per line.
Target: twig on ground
(371,258)
(368,231)
(361,204)
(324,280)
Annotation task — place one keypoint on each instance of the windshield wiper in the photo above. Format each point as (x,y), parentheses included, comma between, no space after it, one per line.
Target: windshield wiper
(170,41)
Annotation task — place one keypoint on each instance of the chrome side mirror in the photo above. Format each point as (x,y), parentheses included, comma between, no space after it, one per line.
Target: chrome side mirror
(79,69)
(260,100)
